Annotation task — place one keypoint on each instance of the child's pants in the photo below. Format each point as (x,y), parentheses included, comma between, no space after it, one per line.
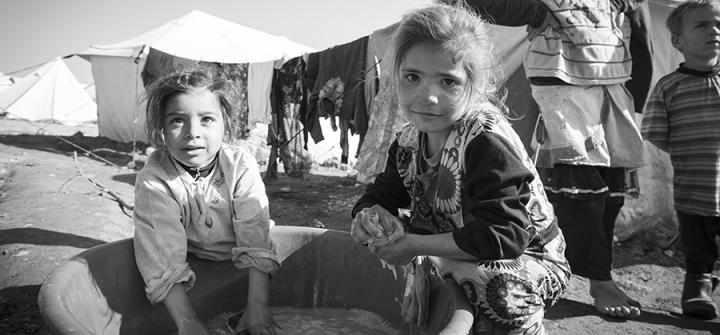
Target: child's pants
(697,236)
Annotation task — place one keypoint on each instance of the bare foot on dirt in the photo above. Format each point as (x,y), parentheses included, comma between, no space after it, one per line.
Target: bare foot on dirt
(611,300)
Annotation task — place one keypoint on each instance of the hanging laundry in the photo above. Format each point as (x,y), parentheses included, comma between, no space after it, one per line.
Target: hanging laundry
(339,89)
(378,43)
(260,77)
(385,119)
(309,115)
(285,130)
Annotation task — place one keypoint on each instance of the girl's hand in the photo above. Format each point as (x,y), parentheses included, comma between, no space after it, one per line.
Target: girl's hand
(257,320)
(371,222)
(194,327)
(400,252)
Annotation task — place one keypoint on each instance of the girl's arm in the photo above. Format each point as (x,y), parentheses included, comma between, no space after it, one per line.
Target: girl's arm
(255,248)
(387,190)
(182,313)
(257,318)
(386,194)
(251,218)
(160,240)
(402,251)
(497,183)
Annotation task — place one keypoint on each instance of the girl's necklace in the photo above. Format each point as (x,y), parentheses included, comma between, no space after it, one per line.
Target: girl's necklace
(196,173)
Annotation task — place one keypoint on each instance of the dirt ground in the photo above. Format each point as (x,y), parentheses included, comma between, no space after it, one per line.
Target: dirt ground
(48,213)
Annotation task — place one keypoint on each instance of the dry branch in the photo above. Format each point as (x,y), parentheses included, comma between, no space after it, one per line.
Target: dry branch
(102,188)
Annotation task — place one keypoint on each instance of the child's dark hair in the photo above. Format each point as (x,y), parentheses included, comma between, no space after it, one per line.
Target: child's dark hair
(202,76)
(456,29)
(674,20)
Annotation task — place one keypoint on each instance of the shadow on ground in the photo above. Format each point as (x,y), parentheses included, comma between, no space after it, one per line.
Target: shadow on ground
(19,311)
(37,236)
(128,178)
(101,148)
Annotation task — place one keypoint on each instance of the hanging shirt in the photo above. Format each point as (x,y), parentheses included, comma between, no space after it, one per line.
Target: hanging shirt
(339,85)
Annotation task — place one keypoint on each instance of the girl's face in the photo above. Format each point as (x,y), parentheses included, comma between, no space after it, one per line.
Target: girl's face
(432,89)
(193,127)
(699,38)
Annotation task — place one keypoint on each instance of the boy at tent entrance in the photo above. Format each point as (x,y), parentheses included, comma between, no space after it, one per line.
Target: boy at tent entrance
(683,120)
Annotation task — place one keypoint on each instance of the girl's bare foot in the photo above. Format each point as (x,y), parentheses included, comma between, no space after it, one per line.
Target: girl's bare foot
(611,300)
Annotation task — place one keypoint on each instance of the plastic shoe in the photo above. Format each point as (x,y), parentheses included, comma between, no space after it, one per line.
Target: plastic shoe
(697,295)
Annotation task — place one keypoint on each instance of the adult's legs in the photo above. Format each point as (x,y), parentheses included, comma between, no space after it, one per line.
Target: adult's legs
(610,299)
(586,214)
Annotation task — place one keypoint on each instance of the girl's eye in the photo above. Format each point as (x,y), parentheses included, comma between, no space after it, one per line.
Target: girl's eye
(176,120)
(208,119)
(412,77)
(449,82)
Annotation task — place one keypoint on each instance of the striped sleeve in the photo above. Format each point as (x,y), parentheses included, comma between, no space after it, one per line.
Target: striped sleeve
(654,125)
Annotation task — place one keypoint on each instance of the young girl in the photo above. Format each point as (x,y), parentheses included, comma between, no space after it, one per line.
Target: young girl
(477,207)
(199,194)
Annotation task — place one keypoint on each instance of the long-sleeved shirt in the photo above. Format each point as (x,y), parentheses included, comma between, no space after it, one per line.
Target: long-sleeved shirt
(683,113)
(221,216)
(483,191)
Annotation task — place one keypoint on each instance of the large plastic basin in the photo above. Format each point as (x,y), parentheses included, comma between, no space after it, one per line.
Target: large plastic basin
(100,291)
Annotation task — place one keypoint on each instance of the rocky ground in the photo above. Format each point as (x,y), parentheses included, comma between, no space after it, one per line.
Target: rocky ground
(48,213)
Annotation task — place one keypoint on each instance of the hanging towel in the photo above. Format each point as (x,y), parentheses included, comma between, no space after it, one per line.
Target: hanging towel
(260,77)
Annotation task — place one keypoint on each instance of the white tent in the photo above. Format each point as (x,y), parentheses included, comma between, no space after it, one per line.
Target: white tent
(50,93)
(7,80)
(196,36)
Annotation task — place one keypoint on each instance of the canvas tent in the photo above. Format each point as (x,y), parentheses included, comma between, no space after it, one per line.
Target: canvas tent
(50,93)
(6,81)
(197,36)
